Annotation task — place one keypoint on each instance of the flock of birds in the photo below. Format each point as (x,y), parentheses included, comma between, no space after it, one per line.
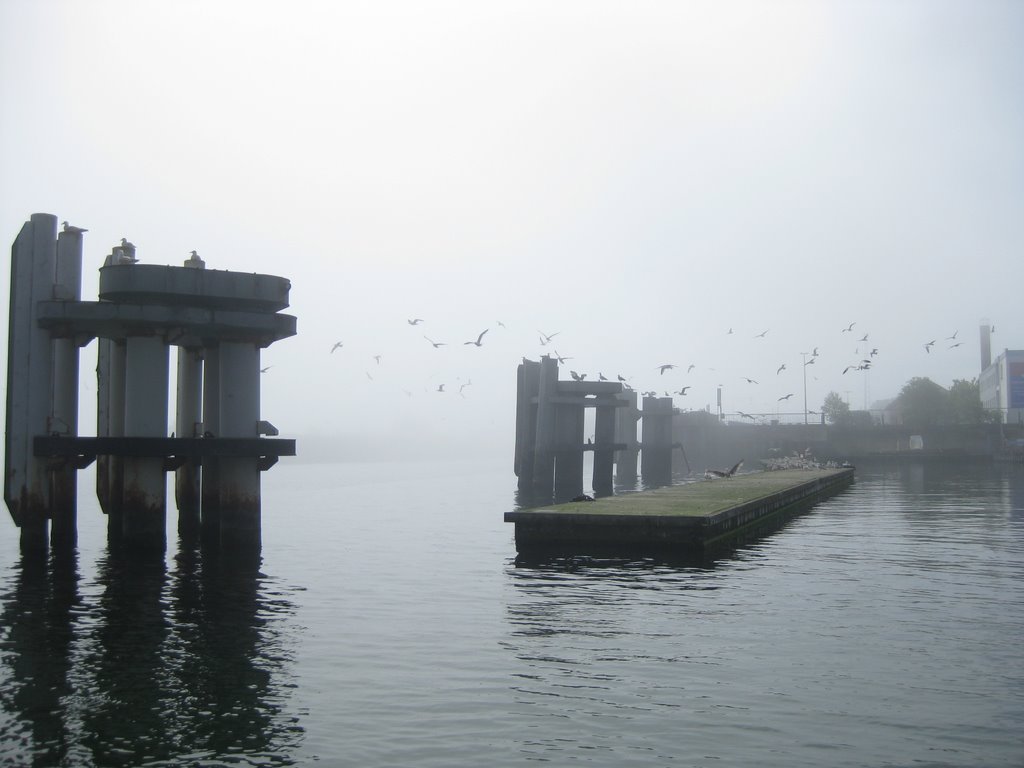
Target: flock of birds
(663,373)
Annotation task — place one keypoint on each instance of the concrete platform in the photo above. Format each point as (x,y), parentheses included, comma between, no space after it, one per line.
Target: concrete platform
(675,519)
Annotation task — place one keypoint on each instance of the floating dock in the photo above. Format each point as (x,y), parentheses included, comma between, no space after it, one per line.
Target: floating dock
(680,519)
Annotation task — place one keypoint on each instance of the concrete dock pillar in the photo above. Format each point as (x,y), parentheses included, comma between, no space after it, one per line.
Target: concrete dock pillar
(544,450)
(29,372)
(656,454)
(110,423)
(145,415)
(210,485)
(239,417)
(568,449)
(604,451)
(186,424)
(527,384)
(64,417)
(626,418)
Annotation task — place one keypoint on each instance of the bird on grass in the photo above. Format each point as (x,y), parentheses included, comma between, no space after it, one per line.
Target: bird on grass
(712,473)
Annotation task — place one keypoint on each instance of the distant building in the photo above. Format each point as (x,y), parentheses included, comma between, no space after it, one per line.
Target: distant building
(886,411)
(1001,384)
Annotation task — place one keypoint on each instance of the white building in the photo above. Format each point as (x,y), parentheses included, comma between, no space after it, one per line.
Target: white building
(1001,384)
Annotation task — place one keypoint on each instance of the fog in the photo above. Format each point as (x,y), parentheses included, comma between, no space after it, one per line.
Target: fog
(633,179)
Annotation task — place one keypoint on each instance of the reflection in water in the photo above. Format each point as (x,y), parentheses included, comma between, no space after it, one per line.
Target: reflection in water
(145,666)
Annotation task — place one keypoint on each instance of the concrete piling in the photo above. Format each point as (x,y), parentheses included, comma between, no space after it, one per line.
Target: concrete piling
(656,451)
(219,320)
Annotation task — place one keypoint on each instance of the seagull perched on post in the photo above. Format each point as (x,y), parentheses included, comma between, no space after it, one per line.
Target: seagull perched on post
(72,229)
(479,339)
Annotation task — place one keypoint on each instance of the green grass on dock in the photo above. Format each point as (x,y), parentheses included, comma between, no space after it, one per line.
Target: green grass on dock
(701,498)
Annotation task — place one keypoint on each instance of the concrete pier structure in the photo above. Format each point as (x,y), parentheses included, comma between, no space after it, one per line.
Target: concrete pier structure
(550,443)
(626,418)
(219,321)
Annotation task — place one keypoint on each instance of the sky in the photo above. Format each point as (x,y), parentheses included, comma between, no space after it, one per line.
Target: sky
(633,179)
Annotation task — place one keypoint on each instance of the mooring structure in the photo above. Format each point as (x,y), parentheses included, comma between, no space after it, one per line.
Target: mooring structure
(550,426)
(219,321)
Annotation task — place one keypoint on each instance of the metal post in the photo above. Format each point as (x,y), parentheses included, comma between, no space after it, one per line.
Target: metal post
(187,419)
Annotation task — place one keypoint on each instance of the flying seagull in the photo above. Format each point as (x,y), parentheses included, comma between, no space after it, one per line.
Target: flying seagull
(440,387)
(337,345)
(748,380)
(683,390)
(692,366)
(786,397)
(783,367)
(849,327)
(928,346)
(577,376)
(435,343)
(762,334)
(959,343)
(414,321)
(545,338)
(666,367)
(377,358)
(948,338)
(479,339)
(561,358)
(264,370)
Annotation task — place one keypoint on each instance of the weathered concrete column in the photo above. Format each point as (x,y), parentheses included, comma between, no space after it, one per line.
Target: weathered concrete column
(604,453)
(29,372)
(110,423)
(656,455)
(568,450)
(210,484)
(544,451)
(147,366)
(64,418)
(625,433)
(527,385)
(239,417)
(187,420)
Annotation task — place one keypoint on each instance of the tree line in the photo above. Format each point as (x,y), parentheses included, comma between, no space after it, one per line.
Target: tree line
(921,403)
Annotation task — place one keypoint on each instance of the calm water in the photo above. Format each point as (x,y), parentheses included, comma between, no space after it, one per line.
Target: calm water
(388,625)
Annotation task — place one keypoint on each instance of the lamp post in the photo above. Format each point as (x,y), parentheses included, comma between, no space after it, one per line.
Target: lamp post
(804,356)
